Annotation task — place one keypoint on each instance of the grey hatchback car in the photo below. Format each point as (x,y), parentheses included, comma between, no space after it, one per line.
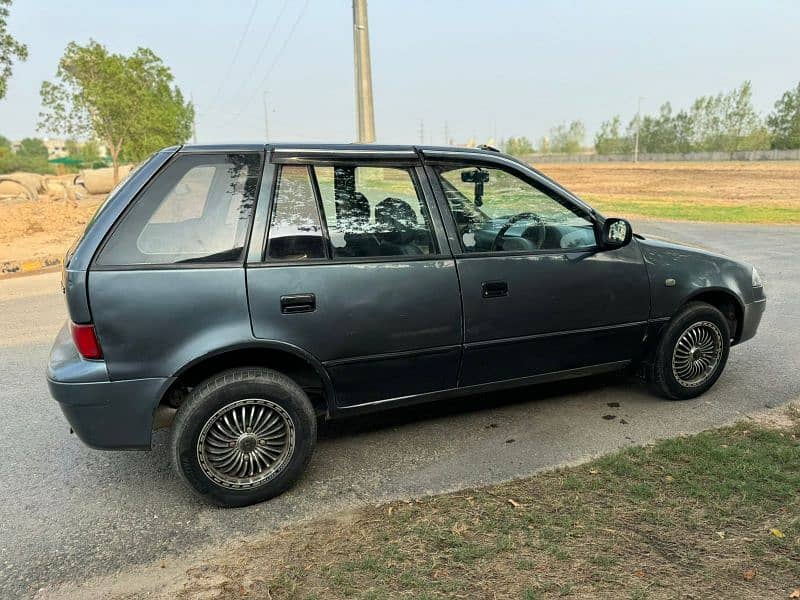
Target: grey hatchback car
(253,289)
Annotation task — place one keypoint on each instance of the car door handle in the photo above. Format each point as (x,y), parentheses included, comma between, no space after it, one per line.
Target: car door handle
(494,289)
(298,303)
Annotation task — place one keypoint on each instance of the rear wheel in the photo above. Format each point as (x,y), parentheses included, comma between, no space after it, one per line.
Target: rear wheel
(691,353)
(243,436)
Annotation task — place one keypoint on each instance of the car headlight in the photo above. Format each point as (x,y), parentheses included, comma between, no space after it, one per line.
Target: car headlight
(757,283)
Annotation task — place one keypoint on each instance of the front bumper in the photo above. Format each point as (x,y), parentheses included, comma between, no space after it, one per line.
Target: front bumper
(751,318)
(104,414)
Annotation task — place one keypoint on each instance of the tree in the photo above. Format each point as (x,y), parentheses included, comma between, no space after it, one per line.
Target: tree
(784,121)
(127,102)
(728,122)
(10,49)
(518,146)
(567,139)
(87,152)
(610,140)
(33,148)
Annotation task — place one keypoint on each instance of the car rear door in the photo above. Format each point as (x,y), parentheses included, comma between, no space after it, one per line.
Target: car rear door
(539,296)
(353,267)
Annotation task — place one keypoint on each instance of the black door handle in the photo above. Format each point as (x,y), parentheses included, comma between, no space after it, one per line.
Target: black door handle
(494,289)
(298,303)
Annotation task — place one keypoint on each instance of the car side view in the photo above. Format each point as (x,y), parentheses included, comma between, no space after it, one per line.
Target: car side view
(259,288)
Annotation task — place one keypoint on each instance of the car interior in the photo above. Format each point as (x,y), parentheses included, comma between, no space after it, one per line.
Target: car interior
(485,214)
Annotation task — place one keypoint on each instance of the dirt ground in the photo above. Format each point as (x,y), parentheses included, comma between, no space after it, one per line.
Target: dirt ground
(39,233)
(775,183)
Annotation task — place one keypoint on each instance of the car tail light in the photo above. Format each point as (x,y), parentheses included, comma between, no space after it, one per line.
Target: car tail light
(85,339)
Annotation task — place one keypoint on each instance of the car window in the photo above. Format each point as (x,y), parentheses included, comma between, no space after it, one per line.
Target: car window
(374,211)
(496,211)
(294,231)
(197,210)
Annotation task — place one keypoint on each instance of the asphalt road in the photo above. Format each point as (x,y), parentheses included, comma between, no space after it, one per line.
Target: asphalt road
(68,513)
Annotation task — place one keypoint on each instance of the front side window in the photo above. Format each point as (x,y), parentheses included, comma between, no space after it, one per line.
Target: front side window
(197,210)
(374,211)
(496,211)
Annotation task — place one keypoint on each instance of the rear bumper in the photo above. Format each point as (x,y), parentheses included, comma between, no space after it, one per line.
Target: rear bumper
(751,319)
(111,415)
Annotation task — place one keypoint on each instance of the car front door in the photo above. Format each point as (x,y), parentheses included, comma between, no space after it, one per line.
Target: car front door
(356,271)
(539,296)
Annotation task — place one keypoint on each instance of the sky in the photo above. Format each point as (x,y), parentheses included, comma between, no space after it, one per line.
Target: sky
(473,68)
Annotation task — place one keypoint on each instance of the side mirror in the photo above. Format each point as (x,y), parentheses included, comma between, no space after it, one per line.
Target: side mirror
(615,233)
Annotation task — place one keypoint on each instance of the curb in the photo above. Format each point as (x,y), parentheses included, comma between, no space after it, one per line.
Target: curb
(28,267)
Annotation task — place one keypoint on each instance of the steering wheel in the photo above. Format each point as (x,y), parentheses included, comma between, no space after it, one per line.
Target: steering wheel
(540,228)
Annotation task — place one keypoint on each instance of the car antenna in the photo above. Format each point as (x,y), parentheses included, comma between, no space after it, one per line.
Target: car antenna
(487,147)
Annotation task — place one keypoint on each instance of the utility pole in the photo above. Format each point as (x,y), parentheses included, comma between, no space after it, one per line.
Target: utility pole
(446,134)
(266,117)
(638,127)
(364,108)
(421,131)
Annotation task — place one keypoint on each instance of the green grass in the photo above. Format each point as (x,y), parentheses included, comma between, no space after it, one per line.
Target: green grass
(684,210)
(684,516)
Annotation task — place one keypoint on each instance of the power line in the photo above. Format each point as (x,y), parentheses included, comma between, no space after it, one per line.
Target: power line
(267,40)
(224,80)
(285,44)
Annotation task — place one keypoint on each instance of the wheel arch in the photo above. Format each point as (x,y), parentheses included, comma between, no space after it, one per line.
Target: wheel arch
(728,303)
(300,365)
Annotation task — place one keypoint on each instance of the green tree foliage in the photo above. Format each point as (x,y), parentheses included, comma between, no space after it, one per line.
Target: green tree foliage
(567,139)
(729,122)
(518,146)
(87,152)
(726,122)
(127,102)
(10,49)
(611,140)
(33,148)
(665,132)
(784,121)
(31,156)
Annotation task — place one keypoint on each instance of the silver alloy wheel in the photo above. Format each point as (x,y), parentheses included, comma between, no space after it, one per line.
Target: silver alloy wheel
(246,443)
(697,354)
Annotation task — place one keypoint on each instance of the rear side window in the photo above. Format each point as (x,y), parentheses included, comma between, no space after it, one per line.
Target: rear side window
(294,230)
(197,210)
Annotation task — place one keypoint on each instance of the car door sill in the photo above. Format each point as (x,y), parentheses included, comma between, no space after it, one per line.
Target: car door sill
(483,387)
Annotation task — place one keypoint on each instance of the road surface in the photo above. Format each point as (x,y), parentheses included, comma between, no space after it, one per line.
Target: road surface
(68,513)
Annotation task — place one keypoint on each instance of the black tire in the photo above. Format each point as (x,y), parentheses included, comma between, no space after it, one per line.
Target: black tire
(231,389)
(662,376)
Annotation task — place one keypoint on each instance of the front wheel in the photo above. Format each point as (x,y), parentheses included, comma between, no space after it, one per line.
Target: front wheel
(691,353)
(243,436)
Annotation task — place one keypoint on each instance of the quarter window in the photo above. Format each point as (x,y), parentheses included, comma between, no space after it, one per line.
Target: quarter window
(294,231)
(197,210)
(374,211)
(496,211)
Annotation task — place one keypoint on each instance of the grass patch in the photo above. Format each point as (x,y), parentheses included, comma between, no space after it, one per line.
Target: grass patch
(697,210)
(712,515)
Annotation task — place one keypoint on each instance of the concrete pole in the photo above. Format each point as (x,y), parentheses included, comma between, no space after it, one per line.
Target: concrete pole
(364,108)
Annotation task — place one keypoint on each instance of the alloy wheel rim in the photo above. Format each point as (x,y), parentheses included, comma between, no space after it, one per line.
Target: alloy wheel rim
(246,443)
(697,354)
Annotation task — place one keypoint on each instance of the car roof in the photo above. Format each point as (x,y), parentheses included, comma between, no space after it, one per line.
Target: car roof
(327,147)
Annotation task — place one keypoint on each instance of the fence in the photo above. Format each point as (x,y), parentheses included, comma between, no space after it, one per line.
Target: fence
(746,155)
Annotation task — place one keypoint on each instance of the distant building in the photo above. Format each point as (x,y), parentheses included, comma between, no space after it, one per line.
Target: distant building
(56,148)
